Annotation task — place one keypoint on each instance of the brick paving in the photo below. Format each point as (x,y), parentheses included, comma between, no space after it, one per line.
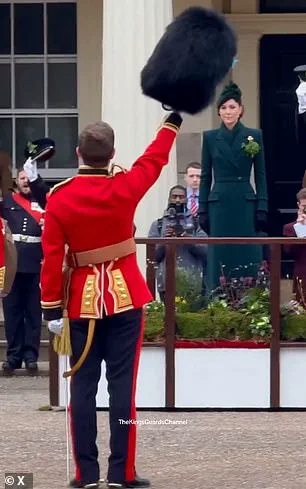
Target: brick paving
(211,451)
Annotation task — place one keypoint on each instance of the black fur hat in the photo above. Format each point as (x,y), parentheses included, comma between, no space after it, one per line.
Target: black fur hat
(190,60)
(230,91)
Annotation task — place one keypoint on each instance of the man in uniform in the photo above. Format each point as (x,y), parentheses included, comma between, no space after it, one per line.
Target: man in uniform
(21,308)
(103,291)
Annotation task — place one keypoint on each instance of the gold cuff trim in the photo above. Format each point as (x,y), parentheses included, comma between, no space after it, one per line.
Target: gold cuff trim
(171,126)
(51,305)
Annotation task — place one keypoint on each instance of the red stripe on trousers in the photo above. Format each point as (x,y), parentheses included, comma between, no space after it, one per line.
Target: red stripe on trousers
(130,461)
(77,468)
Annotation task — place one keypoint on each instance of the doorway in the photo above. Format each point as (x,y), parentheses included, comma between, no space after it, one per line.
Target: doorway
(283,132)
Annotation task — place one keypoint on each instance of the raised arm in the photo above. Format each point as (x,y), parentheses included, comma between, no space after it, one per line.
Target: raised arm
(40,190)
(147,168)
(38,186)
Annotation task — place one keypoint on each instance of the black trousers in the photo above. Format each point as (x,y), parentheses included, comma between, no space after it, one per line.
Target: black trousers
(117,341)
(22,316)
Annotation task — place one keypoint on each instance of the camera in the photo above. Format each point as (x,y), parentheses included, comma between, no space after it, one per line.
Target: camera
(175,217)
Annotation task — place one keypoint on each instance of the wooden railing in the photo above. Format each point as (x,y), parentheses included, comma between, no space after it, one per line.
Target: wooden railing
(275,245)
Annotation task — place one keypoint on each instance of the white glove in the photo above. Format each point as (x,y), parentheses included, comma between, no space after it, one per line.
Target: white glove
(56,326)
(31,169)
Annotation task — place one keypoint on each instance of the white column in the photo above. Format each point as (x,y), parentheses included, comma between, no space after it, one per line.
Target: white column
(246,75)
(131,29)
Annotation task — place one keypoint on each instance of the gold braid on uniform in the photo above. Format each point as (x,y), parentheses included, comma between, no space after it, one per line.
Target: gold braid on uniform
(62,343)
(79,363)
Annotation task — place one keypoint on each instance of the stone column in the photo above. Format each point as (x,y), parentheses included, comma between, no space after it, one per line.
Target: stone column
(131,29)
(246,75)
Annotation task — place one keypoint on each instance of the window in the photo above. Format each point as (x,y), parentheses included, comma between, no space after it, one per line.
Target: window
(38,81)
(282,6)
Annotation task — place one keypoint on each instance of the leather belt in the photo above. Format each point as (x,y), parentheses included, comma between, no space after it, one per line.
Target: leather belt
(101,255)
(26,239)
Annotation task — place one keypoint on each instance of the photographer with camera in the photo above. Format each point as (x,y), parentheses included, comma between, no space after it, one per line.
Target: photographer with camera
(178,221)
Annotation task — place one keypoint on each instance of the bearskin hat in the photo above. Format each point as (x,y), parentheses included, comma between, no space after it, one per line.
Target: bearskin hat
(193,56)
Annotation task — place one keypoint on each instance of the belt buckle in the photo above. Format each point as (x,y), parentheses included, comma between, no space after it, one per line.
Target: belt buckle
(23,238)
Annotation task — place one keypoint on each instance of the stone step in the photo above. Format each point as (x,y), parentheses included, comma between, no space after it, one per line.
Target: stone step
(43,371)
(43,351)
(44,332)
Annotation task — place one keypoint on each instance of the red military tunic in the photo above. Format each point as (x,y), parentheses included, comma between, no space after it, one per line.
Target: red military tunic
(93,210)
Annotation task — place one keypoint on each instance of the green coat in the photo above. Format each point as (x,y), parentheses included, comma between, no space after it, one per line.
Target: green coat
(232,203)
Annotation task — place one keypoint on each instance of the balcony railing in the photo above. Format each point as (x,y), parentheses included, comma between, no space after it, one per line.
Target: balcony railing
(275,246)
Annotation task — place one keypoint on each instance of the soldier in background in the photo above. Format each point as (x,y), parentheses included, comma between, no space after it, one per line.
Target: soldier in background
(21,307)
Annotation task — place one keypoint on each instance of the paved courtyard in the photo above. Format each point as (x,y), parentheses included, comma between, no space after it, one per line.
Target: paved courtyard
(211,451)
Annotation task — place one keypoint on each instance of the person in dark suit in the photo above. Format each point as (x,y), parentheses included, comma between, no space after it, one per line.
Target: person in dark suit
(231,208)
(298,252)
(21,307)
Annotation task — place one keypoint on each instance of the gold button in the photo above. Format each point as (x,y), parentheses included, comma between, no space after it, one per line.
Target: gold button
(88,296)
(87,303)
(119,282)
(123,296)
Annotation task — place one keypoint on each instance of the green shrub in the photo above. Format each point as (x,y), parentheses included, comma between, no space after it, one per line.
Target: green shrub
(154,326)
(293,327)
(245,318)
(225,325)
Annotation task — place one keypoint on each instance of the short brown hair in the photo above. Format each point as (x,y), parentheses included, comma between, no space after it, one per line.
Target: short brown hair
(301,195)
(193,164)
(96,143)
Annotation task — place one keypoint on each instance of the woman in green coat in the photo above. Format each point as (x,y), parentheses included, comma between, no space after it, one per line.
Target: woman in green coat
(231,208)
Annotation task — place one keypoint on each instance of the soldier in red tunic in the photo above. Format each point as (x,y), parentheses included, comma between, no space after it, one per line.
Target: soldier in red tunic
(102,291)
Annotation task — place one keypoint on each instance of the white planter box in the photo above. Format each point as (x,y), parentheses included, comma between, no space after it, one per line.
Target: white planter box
(222,378)
(292,377)
(150,386)
(204,378)
(211,378)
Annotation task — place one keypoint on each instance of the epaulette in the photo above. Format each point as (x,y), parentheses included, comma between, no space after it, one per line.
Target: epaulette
(60,185)
(113,170)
